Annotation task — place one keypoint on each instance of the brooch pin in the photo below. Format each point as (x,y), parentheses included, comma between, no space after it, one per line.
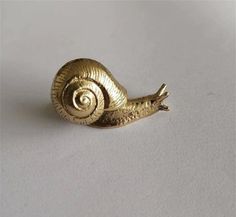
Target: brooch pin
(85,92)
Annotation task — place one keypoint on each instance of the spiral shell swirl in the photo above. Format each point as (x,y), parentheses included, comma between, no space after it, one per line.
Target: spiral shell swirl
(83,89)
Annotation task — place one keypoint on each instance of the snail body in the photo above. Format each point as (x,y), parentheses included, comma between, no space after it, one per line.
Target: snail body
(85,92)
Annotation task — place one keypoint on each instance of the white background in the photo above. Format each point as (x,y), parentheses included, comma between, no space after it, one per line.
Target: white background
(172,164)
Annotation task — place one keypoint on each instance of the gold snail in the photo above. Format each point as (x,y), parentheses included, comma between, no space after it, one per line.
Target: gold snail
(85,92)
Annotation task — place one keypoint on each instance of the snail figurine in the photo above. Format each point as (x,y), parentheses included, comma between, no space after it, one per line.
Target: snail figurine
(85,92)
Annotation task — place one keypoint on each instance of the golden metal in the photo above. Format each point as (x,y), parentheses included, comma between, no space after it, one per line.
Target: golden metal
(85,92)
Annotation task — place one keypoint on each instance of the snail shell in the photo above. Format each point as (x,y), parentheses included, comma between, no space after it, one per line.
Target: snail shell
(85,92)
(83,89)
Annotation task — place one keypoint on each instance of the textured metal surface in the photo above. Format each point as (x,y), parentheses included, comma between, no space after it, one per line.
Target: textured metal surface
(85,92)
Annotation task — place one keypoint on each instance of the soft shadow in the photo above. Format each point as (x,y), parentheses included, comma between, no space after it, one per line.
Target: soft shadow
(43,114)
(48,112)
